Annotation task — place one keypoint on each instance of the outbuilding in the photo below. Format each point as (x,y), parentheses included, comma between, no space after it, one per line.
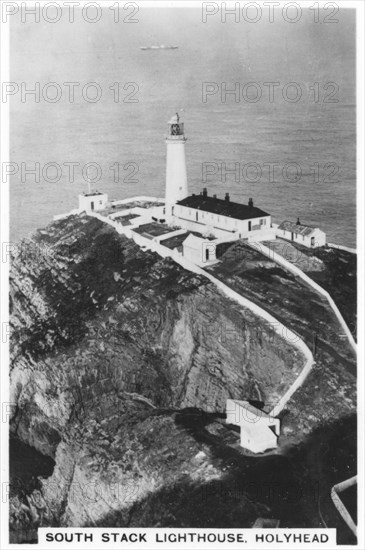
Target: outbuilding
(198,250)
(259,431)
(90,202)
(306,235)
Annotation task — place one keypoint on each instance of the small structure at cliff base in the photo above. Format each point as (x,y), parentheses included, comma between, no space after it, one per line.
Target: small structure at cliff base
(259,431)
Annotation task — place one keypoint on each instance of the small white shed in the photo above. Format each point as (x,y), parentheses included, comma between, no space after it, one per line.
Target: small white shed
(259,431)
(90,202)
(308,236)
(198,250)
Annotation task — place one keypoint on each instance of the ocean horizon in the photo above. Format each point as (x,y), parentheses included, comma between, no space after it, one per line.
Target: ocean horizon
(314,137)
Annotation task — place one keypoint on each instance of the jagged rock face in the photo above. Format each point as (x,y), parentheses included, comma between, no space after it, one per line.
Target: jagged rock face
(136,324)
(104,336)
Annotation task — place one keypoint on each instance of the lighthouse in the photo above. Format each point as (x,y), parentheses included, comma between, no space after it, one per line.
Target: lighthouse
(176,181)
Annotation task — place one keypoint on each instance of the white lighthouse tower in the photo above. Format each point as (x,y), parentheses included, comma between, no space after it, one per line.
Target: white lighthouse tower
(176,180)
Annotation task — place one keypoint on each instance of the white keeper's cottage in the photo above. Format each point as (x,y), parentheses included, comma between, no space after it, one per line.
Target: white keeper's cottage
(306,235)
(222,218)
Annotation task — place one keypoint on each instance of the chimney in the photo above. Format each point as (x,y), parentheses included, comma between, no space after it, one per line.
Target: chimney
(214,196)
(298,221)
(250,203)
(205,192)
(226,198)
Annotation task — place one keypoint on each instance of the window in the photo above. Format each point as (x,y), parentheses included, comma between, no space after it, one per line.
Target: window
(172,210)
(196,216)
(312,241)
(100,202)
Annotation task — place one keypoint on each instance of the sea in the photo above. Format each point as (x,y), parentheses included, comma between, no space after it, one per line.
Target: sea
(286,138)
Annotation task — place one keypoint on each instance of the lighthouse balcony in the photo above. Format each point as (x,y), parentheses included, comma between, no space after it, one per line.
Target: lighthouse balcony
(176,137)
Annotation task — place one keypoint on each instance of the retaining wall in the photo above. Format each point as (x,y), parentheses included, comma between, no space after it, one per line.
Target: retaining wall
(273,255)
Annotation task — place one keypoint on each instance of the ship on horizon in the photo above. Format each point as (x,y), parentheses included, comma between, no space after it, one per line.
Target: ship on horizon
(159,47)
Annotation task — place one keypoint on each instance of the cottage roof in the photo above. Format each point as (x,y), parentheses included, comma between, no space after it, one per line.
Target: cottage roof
(296,228)
(223,207)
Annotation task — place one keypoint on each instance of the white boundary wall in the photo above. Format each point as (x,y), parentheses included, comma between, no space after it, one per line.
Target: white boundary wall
(273,255)
(338,488)
(166,236)
(139,198)
(71,213)
(135,210)
(340,247)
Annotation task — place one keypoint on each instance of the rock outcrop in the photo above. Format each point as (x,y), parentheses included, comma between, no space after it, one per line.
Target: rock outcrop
(121,365)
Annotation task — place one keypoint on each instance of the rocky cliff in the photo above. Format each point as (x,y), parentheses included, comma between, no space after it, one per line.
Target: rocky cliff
(121,366)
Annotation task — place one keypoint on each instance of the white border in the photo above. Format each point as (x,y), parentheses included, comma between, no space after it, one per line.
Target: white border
(4,286)
(343,4)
